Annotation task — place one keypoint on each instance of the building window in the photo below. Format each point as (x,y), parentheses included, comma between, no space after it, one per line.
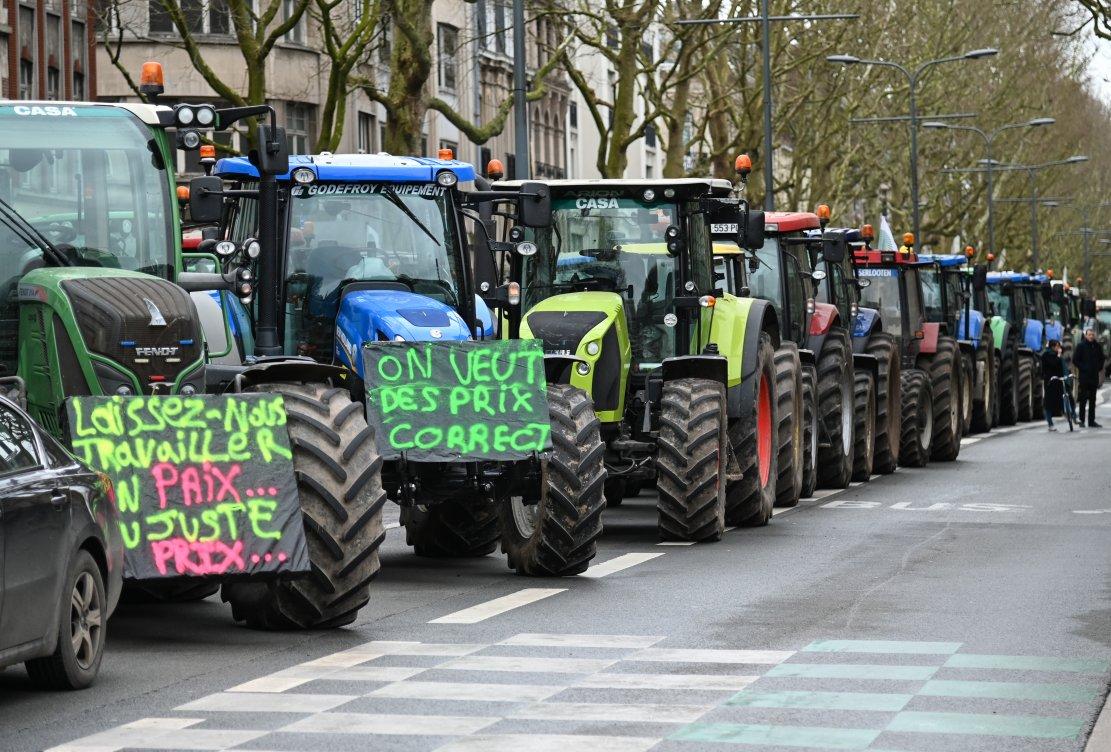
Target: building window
(295,35)
(219,18)
(53,83)
(26,79)
(201,17)
(384,43)
(573,115)
(78,51)
(502,16)
(650,136)
(484,156)
(79,87)
(480,23)
(298,127)
(28,49)
(447,42)
(367,132)
(159,21)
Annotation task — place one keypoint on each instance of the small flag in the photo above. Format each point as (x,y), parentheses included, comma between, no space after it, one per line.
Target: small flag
(886,240)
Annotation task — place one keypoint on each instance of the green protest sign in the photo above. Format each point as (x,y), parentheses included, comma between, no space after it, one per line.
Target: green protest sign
(204,485)
(450,401)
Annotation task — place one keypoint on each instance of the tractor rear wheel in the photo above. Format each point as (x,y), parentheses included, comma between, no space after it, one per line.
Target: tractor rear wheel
(864,432)
(835,409)
(809,431)
(754,439)
(557,535)
(1010,397)
(945,390)
(1025,388)
(339,486)
(984,398)
(788,390)
(968,381)
(917,431)
(889,406)
(453,529)
(691,460)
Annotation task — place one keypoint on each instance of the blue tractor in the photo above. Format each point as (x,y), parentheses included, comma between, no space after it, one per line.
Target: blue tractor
(375,249)
(1018,339)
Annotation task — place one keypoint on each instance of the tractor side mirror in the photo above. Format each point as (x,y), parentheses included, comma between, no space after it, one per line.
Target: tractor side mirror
(834,247)
(753,236)
(979,277)
(534,205)
(272,156)
(206,199)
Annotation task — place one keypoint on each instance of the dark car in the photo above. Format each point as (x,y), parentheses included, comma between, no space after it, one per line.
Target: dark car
(61,556)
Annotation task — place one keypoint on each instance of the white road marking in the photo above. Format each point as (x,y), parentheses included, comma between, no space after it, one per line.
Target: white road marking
(484,611)
(392,525)
(1100,740)
(619,563)
(421,690)
(970,441)
(710,655)
(266,702)
(667,681)
(375,673)
(389,723)
(582,640)
(1091,511)
(729,529)
(283,680)
(781,510)
(675,543)
(589,711)
(355,656)
(160,733)
(528,664)
(548,743)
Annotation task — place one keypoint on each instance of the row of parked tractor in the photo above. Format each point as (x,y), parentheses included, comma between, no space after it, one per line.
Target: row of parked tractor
(730,359)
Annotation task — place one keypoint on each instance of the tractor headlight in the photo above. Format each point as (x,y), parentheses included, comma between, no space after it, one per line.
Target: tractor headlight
(190,140)
(446,178)
(583,369)
(593,348)
(225,248)
(123,390)
(252,248)
(184,115)
(188,390)
(206,116)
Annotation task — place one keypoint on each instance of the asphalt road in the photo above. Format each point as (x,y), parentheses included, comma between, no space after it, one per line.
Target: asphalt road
(964,606)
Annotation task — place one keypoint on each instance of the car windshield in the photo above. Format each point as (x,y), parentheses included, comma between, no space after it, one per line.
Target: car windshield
(882,293)
(931,294)
(86,181)
(1000,301)
(611,244)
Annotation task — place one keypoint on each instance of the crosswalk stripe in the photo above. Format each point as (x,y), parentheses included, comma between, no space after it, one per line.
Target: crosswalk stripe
(1027,663)
(528,664)
(491,608)
(582,640)
(722,682)
(852,671)
(710,655)
(597,711)
(618,564)
(1010,690)
(160,736)
(389,723)
(548,743)
(470,691)
(883,646)
(766,735)
(1041,727)
(882,702)
(266,702)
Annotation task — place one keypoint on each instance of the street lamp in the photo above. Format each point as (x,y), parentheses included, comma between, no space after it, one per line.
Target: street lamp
(989,139)
(913,77)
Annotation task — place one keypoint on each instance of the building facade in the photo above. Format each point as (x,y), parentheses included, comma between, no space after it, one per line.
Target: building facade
(50,50)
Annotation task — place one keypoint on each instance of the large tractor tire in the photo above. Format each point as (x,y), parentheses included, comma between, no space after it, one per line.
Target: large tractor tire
(835,410)
(943,368)
(1010,397)
(691,461)
(864,431)
(1025,388)
(968,384)
(557,534)
(810,431)
(789,411)
(339,485)
(985,397)
(754,438)
(889,405)
(453,529)
(917,432)
(997,394)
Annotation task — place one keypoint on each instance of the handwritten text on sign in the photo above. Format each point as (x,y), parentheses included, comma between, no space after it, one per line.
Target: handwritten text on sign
(204,485)
(444,401)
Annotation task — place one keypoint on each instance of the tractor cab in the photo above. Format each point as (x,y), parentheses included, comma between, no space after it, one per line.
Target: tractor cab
(947,292)
(895,290)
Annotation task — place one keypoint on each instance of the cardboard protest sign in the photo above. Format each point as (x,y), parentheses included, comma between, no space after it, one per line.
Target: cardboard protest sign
(204,485)
(450,401)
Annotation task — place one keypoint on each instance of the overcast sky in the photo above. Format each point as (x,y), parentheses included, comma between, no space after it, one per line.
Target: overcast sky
(1101,67)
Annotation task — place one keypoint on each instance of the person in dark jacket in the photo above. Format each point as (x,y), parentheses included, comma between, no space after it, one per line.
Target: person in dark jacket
(1053,368)
(1089,361)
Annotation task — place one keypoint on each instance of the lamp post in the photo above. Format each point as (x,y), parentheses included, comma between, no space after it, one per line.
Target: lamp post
(765,20)
(989,140)
(521,164)
(913,77)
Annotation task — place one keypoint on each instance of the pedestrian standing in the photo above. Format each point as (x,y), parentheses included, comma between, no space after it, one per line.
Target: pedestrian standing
(1089,361)
(1053,369)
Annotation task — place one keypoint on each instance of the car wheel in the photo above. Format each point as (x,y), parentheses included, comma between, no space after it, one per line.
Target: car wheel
(81,631)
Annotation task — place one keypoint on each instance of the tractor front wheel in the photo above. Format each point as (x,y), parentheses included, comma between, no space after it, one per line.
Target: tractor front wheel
(943,368)
(754,438)
(985,397)
(835,410)
(691,461)
(810,431)
(791,447)
(1010,397)
(889,406)
(1025,388)
(864,400)
(339,486)
(557,534)
(968,381)
(917,432)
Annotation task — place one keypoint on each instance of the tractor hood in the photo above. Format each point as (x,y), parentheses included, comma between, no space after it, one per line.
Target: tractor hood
(381,315)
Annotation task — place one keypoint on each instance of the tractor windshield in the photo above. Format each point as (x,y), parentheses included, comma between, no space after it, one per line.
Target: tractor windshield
(89,181)
(883,294)
(932,305)
(1000,301)
(612,244)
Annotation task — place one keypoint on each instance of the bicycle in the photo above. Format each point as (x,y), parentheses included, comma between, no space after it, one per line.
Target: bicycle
(1068,409)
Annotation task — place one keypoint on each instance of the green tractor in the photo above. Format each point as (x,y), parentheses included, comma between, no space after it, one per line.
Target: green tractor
(682,374)
(96,303)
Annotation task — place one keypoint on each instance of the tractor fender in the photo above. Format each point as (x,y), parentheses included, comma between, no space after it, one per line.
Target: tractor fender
(761,318)
(1033,335)
(825,318)
(710,367)
(866,362)
(287,368)
(930,333)
(866,321)
(1054,330)
(557,368)
(1001,333)
(807,356)
(966,347)
(971,327)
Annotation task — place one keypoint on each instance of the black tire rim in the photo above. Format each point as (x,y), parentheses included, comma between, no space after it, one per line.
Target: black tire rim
(86,623)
